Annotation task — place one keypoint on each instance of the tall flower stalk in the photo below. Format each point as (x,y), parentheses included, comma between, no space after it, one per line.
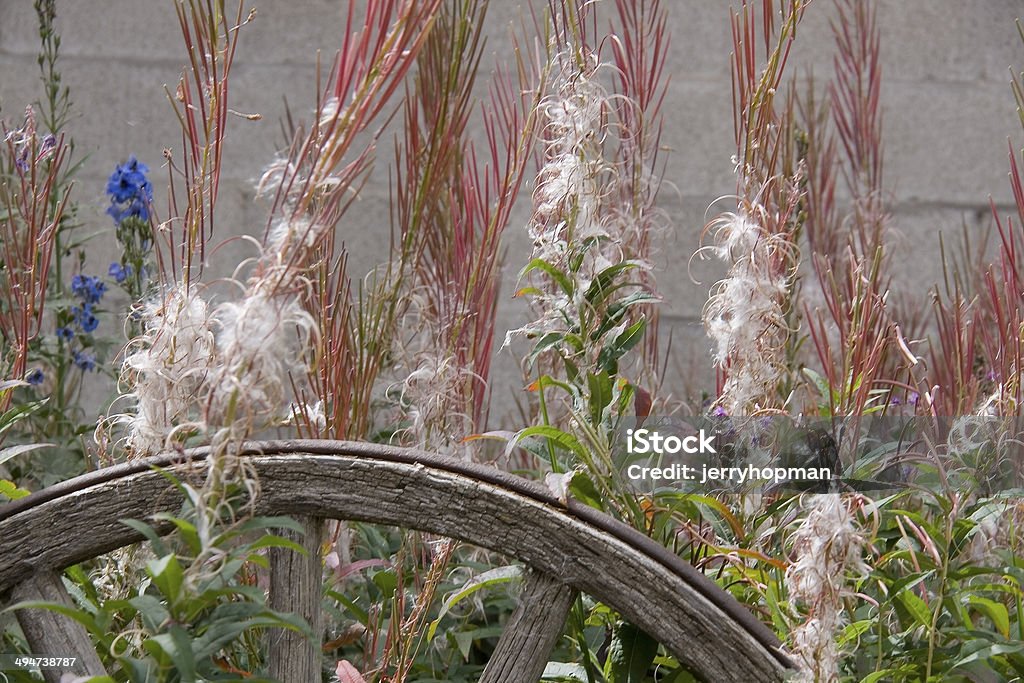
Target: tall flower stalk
(593,228)
(747,313)
(29,190)
(854,335)
(453,208)
(355,314)
(826,546)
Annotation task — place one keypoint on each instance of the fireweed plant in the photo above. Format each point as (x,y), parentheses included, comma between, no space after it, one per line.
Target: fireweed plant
(917,577)
(53,306)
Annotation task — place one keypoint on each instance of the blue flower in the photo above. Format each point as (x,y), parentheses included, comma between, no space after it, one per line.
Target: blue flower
(85,360)
(130,191)
(135,209)
(36,377)
(65,333)
(128,181)
(118,272)
(85,318)
(88,288)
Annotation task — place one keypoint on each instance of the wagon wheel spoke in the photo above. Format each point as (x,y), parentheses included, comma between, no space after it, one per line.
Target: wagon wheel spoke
(532,631)
(295,582)
(51,633)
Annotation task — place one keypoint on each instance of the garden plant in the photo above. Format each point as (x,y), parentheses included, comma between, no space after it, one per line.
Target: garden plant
(905,562)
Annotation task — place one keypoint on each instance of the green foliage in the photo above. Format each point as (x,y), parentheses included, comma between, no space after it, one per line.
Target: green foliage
(196,612)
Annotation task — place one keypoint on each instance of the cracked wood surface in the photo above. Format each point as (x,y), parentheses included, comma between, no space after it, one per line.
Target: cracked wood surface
(51,633)
(532,631)
(584,549)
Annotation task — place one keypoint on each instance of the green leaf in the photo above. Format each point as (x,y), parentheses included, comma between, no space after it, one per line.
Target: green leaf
(630,337)
(9,489)
(987,652)
(630,655)
(147,532)
(882,675)
(263,523)
(681,675)
(489,578)
(557,436)
(916,607)
(272,541)
(187,529)
(854,631)
(601,286)
(13,451)
(167,575)
(81,616)
(177,645)
(995,611)
(582,488)
(563,671)
(361,615)
(548,341)
(464,639)
(230,620)
(10,417)
(386,581)
(617,311)
(152,610)
(564,283)
(601,387)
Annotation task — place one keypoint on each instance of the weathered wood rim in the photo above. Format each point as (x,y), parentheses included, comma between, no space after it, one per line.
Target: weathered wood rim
(328,477)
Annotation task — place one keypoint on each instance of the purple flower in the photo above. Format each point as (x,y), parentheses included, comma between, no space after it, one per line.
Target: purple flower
(130,191)
(65,333)
(134,209)
(85,318)
(85,361)
(913,398)
(88,288)
(48,144)
(118,272)
(35,377)
(719,411)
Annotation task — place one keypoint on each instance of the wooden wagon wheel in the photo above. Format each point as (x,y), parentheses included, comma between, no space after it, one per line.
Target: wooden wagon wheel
(567,548)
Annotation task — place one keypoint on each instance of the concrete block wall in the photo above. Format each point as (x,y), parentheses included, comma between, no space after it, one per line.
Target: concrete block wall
(948,112)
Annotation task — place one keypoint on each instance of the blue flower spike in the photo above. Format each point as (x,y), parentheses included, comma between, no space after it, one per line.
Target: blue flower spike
(130,191)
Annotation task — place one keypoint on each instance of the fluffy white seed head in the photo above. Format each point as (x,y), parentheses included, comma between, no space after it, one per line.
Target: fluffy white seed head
(167,368)
(827,546)
(261,343)
(746,316)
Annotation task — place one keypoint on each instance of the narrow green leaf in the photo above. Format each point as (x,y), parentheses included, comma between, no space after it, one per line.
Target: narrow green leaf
(916,607)
(167,575)
(489,578)
(14,451)
(564,283)
(630,655)
(995,611)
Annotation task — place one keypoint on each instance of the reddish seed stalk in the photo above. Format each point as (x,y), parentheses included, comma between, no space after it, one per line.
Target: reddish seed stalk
(28,228)
(452,209)
(853,341)
(639,42)
(323,172)
(200,102)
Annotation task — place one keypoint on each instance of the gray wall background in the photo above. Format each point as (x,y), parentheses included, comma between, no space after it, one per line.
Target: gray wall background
(948,112)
